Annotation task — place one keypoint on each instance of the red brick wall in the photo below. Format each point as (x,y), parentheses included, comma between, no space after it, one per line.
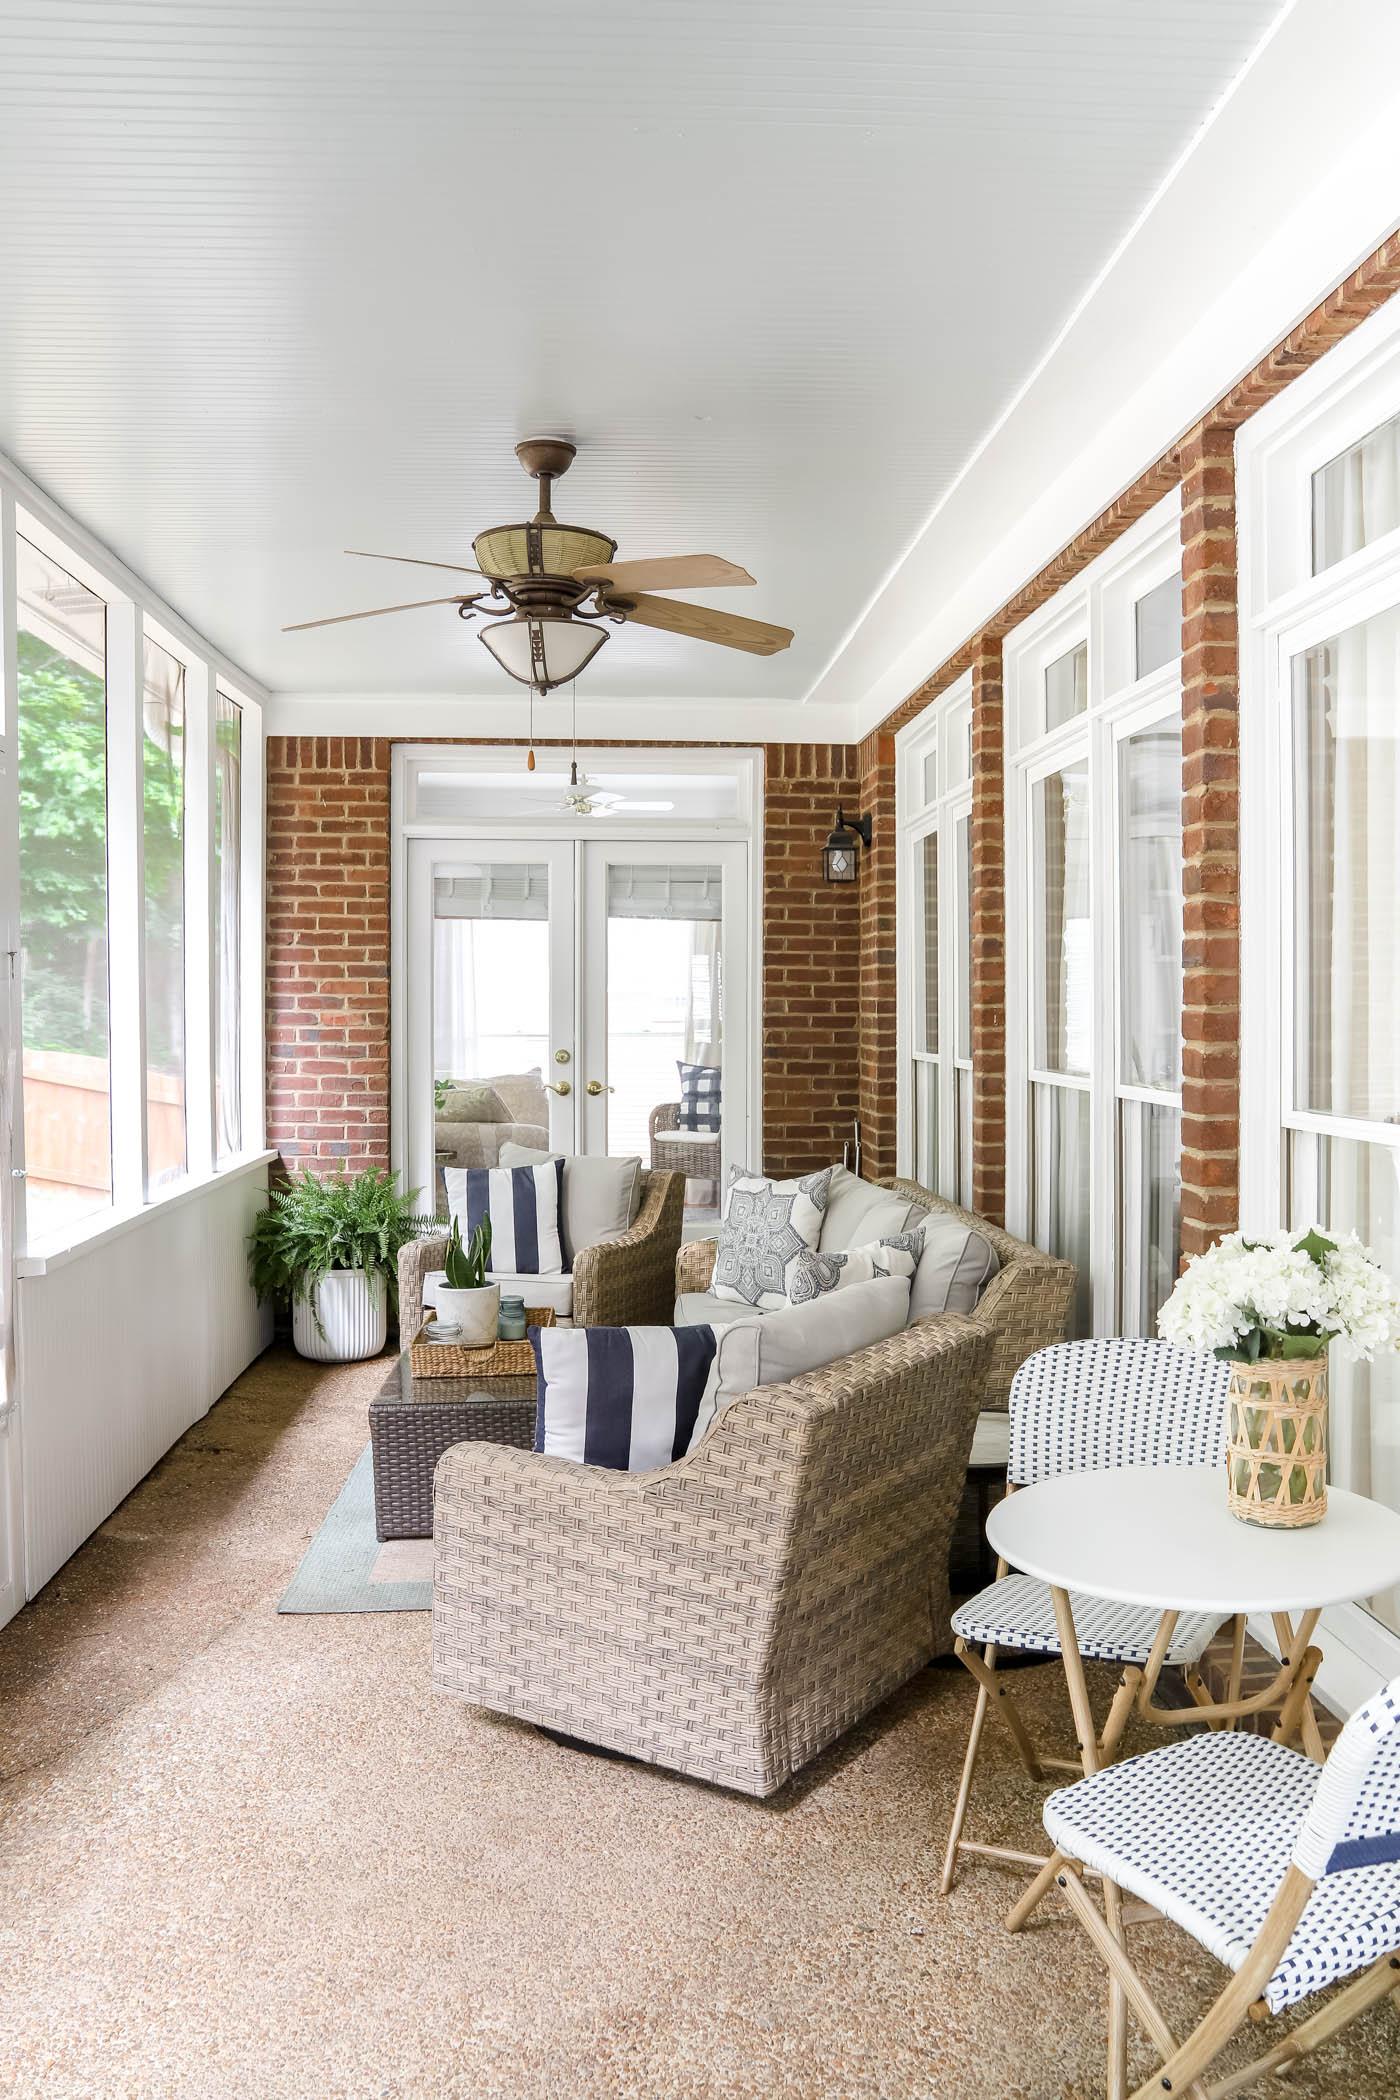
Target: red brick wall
(988,902)
(878,961)
(328,955)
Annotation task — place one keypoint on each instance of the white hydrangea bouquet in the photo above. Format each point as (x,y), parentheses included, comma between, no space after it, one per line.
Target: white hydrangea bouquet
(1283,1297)
(1271,1308)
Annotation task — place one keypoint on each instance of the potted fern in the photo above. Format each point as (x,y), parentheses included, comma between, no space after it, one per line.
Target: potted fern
(467,1300)
(330,1249)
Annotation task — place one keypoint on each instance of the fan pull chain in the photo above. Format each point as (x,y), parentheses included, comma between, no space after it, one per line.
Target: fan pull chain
(530,755)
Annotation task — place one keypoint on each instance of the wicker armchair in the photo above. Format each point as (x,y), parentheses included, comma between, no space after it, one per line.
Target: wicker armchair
(623,1282)
(1026,1305)
(684,1155)
(730,1615)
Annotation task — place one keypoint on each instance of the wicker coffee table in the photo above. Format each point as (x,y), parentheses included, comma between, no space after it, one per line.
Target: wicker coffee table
(412,1421)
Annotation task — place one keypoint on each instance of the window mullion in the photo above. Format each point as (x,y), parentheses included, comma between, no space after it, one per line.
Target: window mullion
(200,902)
(126,930)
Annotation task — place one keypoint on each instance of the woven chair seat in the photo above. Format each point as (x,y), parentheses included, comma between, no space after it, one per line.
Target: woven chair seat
(1019,1612)
(1204,1831)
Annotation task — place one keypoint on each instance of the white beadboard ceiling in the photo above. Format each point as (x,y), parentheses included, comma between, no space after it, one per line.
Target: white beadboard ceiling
(278,279)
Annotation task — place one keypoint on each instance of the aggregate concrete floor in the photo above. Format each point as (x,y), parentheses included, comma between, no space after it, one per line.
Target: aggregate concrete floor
(243,1855)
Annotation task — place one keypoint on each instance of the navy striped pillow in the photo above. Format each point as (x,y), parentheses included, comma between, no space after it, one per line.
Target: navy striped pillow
(525,1206)
(625,1397)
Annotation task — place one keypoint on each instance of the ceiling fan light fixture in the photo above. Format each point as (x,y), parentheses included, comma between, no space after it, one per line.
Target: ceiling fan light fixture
(543,651)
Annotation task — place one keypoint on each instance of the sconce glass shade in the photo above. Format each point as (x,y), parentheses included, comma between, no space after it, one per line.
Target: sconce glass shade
(540,550)
(543,651)
(839,857)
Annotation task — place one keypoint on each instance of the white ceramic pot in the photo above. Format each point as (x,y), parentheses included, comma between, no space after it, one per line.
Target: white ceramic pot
(354,1316)
(475,1312)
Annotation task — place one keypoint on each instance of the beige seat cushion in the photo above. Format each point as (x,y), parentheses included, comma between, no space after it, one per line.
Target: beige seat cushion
(703,1309)
(555,1291)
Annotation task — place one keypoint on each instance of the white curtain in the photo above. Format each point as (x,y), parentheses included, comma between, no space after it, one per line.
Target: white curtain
(704,996)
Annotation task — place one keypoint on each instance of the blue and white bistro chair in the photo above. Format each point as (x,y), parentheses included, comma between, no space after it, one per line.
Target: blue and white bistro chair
(1077,1407)
(1287,1872)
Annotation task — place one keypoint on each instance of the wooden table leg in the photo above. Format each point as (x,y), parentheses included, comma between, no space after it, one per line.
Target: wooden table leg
(1296,1713)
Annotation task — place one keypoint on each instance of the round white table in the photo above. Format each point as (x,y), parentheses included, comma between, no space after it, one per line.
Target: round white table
(1163,1537)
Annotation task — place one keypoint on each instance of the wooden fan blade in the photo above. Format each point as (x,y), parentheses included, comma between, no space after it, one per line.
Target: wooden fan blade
(706,624)
(672,572)
(419,561)
(374,613)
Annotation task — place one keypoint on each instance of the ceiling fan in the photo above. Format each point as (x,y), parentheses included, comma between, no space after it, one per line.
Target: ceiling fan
(550,588)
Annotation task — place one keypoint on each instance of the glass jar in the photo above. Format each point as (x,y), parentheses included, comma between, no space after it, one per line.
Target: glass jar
(511,1327)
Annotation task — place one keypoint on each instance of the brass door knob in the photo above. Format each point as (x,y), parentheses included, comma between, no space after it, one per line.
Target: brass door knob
(562,1088)
(596,1086)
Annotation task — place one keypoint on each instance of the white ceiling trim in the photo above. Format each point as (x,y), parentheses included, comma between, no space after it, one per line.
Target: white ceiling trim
(1328,72)
(506,714)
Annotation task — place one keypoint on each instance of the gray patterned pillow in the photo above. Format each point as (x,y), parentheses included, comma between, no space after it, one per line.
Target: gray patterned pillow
(897,1254)
(767,1228)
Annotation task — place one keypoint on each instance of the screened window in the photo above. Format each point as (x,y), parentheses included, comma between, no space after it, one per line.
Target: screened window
(1356,496)
(228,920)
(1063,1013)
(61,645)
(1067,686)
(1157,626)
(163,871)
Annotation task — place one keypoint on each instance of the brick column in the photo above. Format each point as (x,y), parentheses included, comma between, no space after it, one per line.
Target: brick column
(988,935)
(880,1076)
(1210,817)
(328,951)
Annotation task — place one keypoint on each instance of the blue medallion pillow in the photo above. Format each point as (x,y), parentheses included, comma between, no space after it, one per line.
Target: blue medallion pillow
(700,1097)
(625,1397)
(526,1208)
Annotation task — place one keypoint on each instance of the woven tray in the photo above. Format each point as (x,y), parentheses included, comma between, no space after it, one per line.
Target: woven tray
(496,1360)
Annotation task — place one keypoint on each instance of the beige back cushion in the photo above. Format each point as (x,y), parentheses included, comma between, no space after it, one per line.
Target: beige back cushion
(601,1196)
(954,1269)
(475,1103)
(523,1094)
(769,1348)
(858,1212)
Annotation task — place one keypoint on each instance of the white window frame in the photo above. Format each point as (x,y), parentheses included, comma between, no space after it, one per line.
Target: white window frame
(943,733)
(25,511)
(1096,609)
(1285,609)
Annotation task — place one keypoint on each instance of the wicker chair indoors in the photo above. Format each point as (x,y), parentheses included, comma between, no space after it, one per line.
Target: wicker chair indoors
(731,1614)
(621,1282)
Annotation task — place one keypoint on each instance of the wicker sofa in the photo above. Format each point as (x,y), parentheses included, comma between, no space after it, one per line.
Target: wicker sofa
(625,1281)
(1026,1305)
(731,1614)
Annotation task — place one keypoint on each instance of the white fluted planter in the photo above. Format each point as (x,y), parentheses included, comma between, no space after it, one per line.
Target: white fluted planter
(354,1313)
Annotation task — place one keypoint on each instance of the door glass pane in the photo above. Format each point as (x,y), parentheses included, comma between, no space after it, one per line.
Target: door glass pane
(1060,810)
(1067,686)
(163,852)
(666,1009)
(926,1123)
(1346,829)
(1346,1186)
(1157,626)
(1060,1185)
(490,1012)
(1356,496)
(929,1016)
(228,919)
(963,863)
(1150,890)
(1149,1210)
(62,695)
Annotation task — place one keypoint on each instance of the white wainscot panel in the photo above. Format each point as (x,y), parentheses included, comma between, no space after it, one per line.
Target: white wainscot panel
(121,1349)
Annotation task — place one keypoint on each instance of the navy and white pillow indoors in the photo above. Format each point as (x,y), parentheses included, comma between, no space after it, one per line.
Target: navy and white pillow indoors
(525,1206)
(700,1097)
(625,1397)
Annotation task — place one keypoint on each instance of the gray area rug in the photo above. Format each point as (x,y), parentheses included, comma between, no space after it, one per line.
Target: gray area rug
(347,1569)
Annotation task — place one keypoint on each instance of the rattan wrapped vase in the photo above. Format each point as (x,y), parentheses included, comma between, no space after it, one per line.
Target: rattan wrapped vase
(1277,1444)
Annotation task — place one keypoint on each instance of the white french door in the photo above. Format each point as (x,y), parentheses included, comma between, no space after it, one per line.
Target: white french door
(577,975)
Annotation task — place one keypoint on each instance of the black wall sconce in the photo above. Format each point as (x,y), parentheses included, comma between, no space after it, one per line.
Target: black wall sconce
(839,854)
